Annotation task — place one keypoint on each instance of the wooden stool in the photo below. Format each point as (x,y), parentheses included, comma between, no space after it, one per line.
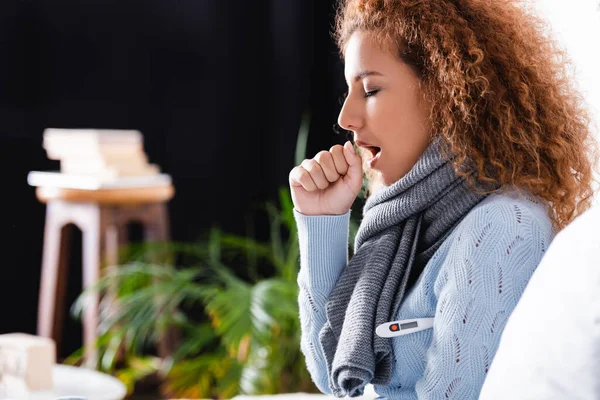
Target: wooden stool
(103,216)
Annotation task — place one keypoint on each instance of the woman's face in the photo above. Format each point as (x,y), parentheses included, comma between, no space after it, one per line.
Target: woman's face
(384,109)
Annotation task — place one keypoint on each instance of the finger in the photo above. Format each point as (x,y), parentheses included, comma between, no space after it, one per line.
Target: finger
(354,161)
(352,158)
(325,160)
(301,177)
(337,153)
(316,173)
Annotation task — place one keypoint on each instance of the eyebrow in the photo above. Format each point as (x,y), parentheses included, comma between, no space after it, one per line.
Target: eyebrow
(364,74)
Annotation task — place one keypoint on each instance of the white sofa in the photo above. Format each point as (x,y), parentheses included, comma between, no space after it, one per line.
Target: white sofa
(550,347)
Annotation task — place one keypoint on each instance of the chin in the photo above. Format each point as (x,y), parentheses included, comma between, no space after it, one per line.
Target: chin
(389,179)
(388,182)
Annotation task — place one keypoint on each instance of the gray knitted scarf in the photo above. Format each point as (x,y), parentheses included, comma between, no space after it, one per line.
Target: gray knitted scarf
(402,226)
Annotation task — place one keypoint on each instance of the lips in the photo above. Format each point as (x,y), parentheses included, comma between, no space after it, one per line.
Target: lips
(374,151)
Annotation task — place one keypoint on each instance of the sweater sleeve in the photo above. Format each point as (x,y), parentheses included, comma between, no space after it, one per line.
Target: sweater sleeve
(494,252)
(323,244)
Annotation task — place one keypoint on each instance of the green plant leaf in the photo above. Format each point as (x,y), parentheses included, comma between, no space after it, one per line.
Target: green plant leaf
(302,139)
(137,368)
(247,245)
(255,377)
(109,356)
(274,303)
(214,245)
(196,338)
(196,377)
(229,310)
(277,248)
(287,209)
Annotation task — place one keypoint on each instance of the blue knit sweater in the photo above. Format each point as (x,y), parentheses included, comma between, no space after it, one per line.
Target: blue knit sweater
(470,286)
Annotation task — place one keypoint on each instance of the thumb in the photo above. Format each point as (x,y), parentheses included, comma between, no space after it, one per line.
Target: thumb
(354,173)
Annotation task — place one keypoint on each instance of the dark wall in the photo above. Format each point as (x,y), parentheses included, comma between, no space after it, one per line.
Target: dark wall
(217,88)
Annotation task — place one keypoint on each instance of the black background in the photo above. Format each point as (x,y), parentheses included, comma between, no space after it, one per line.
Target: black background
(218,89)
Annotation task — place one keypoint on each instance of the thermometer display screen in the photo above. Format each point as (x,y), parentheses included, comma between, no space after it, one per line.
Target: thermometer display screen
(409,325)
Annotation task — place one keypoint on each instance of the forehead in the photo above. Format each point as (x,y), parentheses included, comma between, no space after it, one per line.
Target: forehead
(363,46)
(364,53)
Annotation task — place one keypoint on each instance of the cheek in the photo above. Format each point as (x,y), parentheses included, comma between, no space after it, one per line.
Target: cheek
(388,118)
(406,135)
(401,123)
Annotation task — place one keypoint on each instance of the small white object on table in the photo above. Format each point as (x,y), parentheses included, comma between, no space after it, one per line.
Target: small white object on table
(78,382)
(26,361)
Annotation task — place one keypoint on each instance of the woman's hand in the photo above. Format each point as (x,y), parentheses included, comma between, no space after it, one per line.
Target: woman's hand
(327,184)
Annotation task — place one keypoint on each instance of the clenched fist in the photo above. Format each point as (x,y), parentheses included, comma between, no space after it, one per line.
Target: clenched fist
(328,183)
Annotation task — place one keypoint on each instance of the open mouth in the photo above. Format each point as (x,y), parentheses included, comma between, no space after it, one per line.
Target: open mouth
(374,150)
(368,150)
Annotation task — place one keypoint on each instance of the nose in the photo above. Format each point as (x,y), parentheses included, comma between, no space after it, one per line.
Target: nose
(349,118)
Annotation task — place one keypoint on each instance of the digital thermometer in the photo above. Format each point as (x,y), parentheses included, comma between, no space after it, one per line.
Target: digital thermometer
(404,327)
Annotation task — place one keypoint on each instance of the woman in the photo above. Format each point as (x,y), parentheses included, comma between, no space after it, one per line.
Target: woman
(463,117)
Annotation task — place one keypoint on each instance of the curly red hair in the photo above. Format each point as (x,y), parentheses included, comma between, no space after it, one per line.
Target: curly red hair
(499,88)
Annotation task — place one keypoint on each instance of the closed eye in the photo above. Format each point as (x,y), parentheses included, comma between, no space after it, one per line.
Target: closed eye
(371,93)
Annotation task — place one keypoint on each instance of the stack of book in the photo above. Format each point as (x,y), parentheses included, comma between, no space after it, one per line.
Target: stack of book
(96,159)
(104,154)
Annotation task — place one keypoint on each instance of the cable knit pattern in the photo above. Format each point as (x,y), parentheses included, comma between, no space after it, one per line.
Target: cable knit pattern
(470,286)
